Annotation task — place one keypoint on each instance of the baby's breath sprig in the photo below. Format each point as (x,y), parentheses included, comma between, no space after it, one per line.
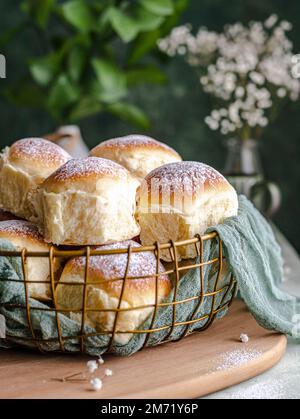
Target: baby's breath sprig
(247,68)
(92,375)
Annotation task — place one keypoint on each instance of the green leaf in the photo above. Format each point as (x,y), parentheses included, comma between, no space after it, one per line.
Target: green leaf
(78,14)
(76,62)
(159,7)
(181,5)
(63,93)
(87,106)
(112,84)
(144,43)
(125,26)
(147,41)
(148,21)
(128,27)
(103,23)
(40,10)
(130,113)
(147,74)
(44,69)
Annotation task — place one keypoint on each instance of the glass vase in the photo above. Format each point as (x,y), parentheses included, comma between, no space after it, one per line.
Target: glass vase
(243,169)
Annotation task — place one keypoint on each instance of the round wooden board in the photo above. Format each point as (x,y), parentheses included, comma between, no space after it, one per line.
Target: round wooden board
(194,367)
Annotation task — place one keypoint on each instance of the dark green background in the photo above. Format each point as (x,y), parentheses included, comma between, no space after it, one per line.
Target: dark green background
(177,110)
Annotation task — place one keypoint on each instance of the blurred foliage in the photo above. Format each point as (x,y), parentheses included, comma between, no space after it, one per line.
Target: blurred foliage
(82,69)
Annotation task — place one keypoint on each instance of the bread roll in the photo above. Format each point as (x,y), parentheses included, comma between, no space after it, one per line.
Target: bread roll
(24,166)
(105,281)
(88,201)
(138,153)
(179,200)
(24,235)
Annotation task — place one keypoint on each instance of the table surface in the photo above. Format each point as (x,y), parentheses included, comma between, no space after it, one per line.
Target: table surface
(214,361)
(283,381)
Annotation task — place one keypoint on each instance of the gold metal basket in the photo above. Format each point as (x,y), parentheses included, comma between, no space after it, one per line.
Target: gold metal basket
(221,295)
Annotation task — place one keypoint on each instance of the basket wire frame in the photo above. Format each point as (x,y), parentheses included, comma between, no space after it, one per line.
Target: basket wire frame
(226,292)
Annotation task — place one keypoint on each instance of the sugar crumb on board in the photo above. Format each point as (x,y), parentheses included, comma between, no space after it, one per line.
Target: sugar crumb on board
(236,358)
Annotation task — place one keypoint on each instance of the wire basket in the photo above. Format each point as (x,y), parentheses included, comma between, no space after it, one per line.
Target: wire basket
(219,293)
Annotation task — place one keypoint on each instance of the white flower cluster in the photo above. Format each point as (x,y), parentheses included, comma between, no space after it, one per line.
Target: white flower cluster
(249,68)
(96,383)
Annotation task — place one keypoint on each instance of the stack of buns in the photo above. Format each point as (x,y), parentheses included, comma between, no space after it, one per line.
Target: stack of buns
(128,187)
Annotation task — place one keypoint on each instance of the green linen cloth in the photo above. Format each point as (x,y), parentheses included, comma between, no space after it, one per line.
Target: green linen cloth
(44,323)
(255,260)
(253,256)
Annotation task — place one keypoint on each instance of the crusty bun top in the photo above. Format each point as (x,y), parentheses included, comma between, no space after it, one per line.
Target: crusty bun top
(139,154)
(183,185)
(187,177)
(134,142)
(112,268)
(85,174)
(22,231)
(36,155)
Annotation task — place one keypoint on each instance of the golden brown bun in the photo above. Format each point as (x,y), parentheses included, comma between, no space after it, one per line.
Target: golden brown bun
(179,200)
(25,235)
(138,153)
(88,201)
(103,293)
(24,166)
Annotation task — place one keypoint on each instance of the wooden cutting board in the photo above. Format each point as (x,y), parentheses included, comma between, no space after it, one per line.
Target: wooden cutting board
(194,367)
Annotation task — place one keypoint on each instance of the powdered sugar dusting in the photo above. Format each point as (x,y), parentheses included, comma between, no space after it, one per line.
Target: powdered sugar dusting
(40,150)
(272,390)
(78,168)
(185,176)
(20,228)
(237,358)
(114,266)
(135,141)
